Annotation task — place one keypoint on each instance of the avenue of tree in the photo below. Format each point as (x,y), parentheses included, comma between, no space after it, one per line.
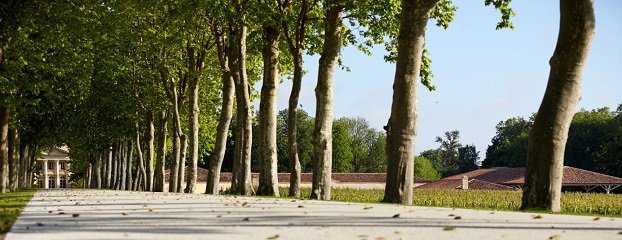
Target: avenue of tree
(134,88)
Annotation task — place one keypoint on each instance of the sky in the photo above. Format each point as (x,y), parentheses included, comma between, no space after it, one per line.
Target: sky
(482,75)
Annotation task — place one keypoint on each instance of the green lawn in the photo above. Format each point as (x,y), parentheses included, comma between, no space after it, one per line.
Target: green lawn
(572,202)
(11,205)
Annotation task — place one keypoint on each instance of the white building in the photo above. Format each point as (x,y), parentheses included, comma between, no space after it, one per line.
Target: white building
(54,169)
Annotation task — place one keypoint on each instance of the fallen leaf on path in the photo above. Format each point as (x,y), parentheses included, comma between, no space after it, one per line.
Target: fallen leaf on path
(367,208)
(76,215)
(125,213)
(245,219)
(458,218)
(554,237)
(274,237)
(449,229)
(396,215)
(537,217)
(596,218)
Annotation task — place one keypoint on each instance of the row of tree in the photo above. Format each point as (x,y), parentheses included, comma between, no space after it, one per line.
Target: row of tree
(594,142)
(95,74)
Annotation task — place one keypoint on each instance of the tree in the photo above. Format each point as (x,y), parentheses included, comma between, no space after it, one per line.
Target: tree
(424,169)
(467,160)
(401,127)
(272,31)
(547,141)
(226,111)
(342,149)
(296,44)
(588,135)
(322,144)
(448,152)
(509,145)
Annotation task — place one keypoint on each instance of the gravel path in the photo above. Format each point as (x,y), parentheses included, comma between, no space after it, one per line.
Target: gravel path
(107,214)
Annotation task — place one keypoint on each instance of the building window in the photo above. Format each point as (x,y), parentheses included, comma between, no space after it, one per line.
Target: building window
(63,182)
(62,165)
(40,167)
(51,182)
(50,166)
(40,182)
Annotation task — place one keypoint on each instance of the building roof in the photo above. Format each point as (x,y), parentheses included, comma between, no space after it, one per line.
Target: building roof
(474,184)
(58,153)
(516,176)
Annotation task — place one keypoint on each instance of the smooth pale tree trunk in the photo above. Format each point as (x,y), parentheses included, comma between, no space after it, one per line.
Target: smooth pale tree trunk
(402,126)
(183,139)
(174,172)
(32,156)
(191,182)
(4,148)
(97,168)
(296,46)
(141,159)
(108,171)
(195,62)
(13,144)
(128,168)
(226,113)
(158,185)
(268,176)
(122,165)
(241,176)
(149,151)
(547,140)
(115,166)
(323,137)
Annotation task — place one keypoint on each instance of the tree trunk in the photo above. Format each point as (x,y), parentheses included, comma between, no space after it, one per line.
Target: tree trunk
(128,168)
(4,148)
(149,152)
(183,139)
(13,144)
(547,141)
(191,186)
(122,165)
(296,46)
(323,137)
(158,185)
(97,167)
(23,165)
(402,126)
(141,159)
(32,157)
(174,171)
(268,176)
(114,172)
(241,176)
(226,112)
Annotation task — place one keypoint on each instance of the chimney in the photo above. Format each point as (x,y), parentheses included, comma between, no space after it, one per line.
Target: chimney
(465,182)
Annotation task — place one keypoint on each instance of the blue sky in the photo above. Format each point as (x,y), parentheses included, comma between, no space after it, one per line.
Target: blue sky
(483,76)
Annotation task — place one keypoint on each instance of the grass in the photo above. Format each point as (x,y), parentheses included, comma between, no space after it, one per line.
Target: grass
(11,205)
(572,202)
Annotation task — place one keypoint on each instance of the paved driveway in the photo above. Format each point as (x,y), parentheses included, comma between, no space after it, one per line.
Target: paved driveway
(107,214)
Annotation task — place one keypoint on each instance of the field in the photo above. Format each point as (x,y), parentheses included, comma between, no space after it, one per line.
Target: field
(11,205)
(572,203)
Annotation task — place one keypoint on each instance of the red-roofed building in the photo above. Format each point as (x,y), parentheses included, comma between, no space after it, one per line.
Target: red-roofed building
(515,177)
